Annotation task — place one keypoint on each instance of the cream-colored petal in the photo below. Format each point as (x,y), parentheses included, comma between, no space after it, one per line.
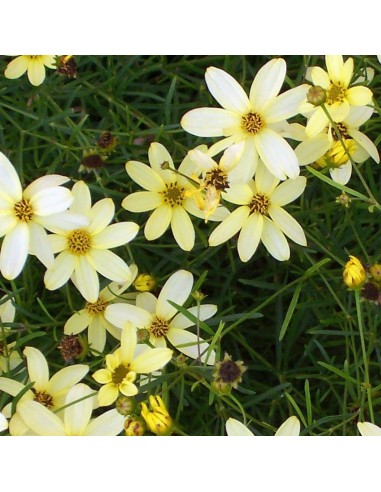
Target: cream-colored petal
(158,222)
(227,91)
(334,65)
(109,423)
(96,334)
(109,265)
(86,279)
(119,314)
(11,386)
(3,423)
(188,344)
(368,429)
(312,149)
(319,77)
(7,311)
(341,174)
(249,237)
(176,289)
(203,312)
(9,179)
(239,194)
(14,251)
(142,201)
(316,123)
(358,115)
(230,226)
(145,176)
(51,201)
(274,240)
(49,60)
(128,388)
(267,83)
(288,191)
(151,360)
(366,143)
(277,155)
(245,168)
(40,420)
(38,369)
(286,105)
(103,376)
(347,72)
(128,343)
(157,155)
(82,198)
(8,222)
(17,67)
(182,228)
(77,322)
(60,272)
(63,222)
(101,214)
(210,122)
(36,72)
(339,111)
(77,415)
(107,394)
(287,224)
(147,301)
(290,427)
(39,244)
(66,378)
(265,181)
(115,235)
(236,428)
(201,159)
(44,182)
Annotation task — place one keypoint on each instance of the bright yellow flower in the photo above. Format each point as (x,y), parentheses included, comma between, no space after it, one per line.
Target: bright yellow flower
(354,274)
(125,363)
(157,418)
(34,65)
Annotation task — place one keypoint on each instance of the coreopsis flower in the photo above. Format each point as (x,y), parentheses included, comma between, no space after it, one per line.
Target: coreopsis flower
(290,427)
(325,149)
(354,274)
(3,423)
(261,217)
(92,315)
(163,321)
(123,366)
(168,195)
(340,95)
(25,214)
(34,65)
(47,391)
(254,120)
(83,252)
(157,417)
(216,177)
(368,429)
(74,420)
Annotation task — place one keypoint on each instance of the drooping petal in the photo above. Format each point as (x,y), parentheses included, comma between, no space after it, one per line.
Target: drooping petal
(101,214)
(230,226)
(188,344)
(51,201)
(36,72)
(115,235)
(176,289)
(202,313)
(9,179)
(145,176)
(38,369)
(236,428)
(151,360)
(14,251)
(287,224)
(142,201)
(60,272)
(119,314)
(66,378)
(182,228)
(210,122)
(227,91)
(42,421)
(109,423)
(17,67)
(274,240)
(77,415)
(158,222)
(277,154)
(86,279)
(267,83)
(78,322)
(288,191)
(109,265)
(250,236)
(290,427)
(286,105)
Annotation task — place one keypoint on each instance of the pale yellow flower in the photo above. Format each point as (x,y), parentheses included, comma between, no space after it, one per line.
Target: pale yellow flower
(34,65)
(340,95)
(83,252)
(290,427)
(256,120)
(123,366)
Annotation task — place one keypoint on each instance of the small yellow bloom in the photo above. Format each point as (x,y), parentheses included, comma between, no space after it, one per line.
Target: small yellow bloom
(34,65)
(158,419)
(354,274)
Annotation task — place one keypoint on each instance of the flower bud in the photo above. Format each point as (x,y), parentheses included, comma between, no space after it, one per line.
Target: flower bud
(134,426)
(316,95)
(375,271)
(144,282)
(125,405)
(354,274)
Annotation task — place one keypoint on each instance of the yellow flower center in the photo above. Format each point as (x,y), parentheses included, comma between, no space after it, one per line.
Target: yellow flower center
(79,242)
(43,398)
(23,210)
(121,373)
(217,178)
(159,327)
(252,123)
(259,204)
(97,307)
(174,195)
(336,93)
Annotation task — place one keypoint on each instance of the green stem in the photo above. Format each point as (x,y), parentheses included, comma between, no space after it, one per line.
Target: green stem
(366,383)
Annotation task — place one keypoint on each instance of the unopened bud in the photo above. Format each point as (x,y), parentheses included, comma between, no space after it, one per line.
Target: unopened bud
(316,95)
